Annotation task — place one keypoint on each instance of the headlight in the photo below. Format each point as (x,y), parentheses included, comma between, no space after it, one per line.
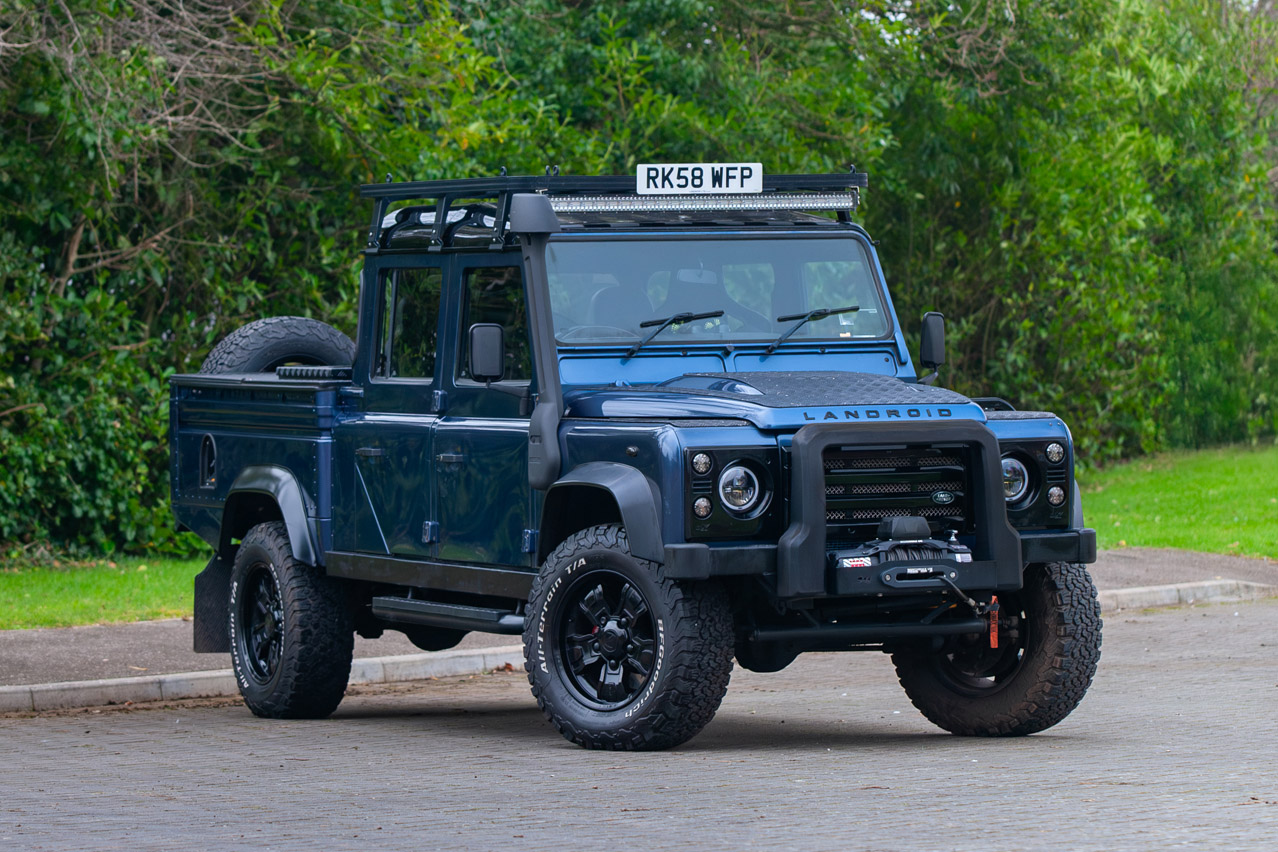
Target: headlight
(739,488)
(1015,480)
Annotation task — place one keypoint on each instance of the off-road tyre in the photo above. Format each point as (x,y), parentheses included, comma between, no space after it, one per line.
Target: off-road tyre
(682,635)
(261,346)
(292,635)
(1051,641)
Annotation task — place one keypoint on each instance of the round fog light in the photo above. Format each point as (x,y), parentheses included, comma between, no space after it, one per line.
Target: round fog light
(1015,480)
(739,488)
(701,508)
(1056,495)
(701,463)
(1055,453)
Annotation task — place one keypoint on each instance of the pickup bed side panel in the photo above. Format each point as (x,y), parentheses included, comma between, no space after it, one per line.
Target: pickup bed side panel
(253,434)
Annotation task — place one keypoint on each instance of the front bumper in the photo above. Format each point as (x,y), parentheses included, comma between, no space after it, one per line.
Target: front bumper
(802,566)
(702,561)
(1059,546)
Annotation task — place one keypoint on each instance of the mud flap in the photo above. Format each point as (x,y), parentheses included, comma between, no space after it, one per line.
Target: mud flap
(212,597)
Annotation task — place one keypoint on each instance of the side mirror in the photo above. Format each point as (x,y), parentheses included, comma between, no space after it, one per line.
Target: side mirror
(932,349)
(487,352)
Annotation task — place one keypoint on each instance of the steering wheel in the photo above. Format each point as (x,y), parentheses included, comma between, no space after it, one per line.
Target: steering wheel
(750,319)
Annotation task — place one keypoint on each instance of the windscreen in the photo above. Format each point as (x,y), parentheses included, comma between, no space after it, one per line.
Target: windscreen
(602,291)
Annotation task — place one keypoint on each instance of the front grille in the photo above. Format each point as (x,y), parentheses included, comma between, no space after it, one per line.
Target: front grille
(864,486)
(880,514)
(863,463)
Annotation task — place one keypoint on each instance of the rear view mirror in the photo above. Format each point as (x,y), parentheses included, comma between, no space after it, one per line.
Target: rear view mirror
(696,276)
(487,352)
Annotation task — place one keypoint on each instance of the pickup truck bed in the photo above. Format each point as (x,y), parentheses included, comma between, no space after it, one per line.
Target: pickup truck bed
(235,422)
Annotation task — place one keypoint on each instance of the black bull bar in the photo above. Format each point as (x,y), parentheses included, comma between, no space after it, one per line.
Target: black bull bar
(801,552)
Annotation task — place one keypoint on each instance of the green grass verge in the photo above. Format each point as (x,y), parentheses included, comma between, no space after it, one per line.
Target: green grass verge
(1217,501)
(67,594)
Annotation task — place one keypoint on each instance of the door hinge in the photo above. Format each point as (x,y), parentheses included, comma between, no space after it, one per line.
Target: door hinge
(530,541)
(439,401)
(430,532)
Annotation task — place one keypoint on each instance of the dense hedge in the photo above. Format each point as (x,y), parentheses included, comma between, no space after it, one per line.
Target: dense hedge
(1081,187)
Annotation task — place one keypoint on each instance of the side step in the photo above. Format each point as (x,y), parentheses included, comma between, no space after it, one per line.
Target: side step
(456,616)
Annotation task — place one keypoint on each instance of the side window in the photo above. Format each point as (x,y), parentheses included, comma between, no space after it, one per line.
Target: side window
(409,324)
(496,294)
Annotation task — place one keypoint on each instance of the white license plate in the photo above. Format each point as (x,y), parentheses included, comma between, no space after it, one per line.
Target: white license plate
(698,178)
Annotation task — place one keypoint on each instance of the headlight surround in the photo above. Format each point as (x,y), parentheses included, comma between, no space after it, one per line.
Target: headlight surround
(739,489)
(1016,479)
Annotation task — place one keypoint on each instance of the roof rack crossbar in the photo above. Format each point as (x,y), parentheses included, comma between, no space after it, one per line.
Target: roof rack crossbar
(592,185)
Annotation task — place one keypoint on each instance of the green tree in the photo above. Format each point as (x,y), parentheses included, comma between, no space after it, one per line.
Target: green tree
(168,171)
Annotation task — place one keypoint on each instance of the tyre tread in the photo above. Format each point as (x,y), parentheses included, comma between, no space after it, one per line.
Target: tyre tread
(1070,664)
(251,346)
(319,638)
(699,661)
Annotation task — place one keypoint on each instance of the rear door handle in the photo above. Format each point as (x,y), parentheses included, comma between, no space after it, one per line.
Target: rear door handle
(451,458)
(369,452)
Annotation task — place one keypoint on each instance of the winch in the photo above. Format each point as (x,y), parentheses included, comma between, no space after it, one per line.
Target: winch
(900,540)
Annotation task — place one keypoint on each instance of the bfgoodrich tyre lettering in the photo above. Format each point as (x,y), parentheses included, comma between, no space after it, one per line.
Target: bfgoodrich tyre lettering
(292,635)
(618,658)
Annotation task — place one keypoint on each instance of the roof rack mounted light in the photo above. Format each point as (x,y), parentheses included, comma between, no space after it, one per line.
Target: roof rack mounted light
(699,203)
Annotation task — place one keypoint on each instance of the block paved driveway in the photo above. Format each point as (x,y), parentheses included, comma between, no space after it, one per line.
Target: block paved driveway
(1175,747)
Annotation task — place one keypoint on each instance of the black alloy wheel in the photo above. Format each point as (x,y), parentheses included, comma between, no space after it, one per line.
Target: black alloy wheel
(606,640)
(974,668)
(262,614)
(619,658)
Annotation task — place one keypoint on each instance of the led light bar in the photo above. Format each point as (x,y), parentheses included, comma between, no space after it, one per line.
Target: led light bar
(697,203)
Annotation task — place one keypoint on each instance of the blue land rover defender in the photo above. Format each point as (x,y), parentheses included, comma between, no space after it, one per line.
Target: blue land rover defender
(650,424)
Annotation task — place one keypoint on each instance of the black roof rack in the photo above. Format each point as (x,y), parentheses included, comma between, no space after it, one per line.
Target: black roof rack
(446,192)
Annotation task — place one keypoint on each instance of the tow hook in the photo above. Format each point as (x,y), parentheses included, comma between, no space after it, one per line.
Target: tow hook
(989,611)
(977,607)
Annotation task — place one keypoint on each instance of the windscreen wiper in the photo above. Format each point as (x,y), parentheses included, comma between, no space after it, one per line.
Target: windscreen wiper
(803,319)
(663,324)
